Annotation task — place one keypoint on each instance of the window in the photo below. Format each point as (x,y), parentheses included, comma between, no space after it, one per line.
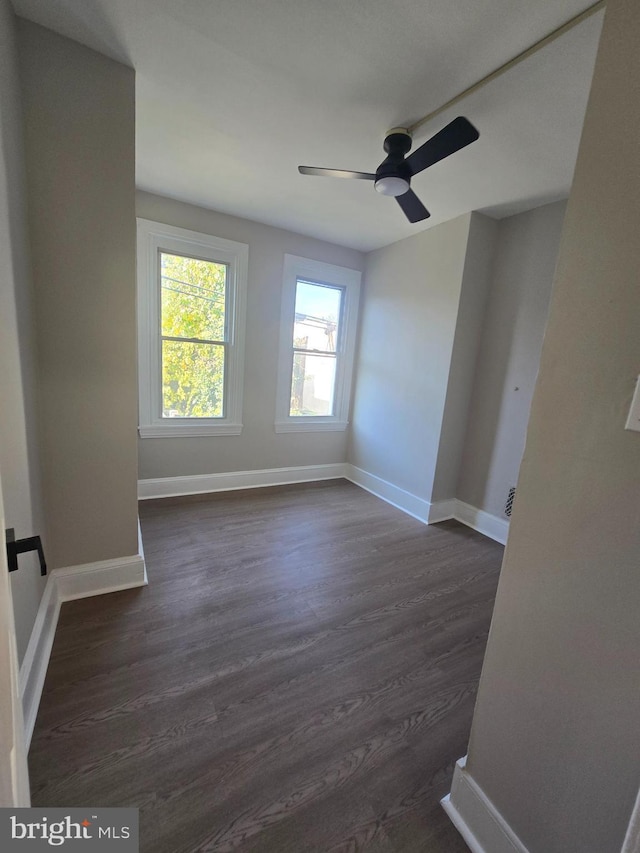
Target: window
(318,331)
(191,306)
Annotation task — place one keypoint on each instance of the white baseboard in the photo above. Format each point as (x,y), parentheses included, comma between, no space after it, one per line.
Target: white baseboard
(427,513)
(34,665)
(485,523)
(481,825)
(100,577)
(632,838)
(490,525)
(443,510)
(168,487)
(62,585)
(430,513)
(394,495)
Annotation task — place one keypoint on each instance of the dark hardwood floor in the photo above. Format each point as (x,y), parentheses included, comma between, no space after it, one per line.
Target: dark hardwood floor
(299,675)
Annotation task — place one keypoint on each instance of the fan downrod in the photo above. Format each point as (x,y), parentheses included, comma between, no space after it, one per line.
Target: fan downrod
(397,140)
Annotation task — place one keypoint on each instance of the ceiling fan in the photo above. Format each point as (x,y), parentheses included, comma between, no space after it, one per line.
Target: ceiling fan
(393,175)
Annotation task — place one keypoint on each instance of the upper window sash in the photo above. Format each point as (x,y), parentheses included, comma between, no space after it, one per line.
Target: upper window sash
(153,239)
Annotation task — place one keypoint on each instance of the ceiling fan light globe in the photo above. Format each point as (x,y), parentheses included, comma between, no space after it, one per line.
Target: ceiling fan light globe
(392,186)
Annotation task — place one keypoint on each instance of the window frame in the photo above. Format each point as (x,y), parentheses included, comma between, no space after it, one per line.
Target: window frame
(348,280)
(154,238)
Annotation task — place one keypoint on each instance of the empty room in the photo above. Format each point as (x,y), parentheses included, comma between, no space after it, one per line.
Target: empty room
(319,436)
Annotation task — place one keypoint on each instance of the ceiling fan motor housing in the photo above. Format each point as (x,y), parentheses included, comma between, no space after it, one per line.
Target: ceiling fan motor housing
(393,175)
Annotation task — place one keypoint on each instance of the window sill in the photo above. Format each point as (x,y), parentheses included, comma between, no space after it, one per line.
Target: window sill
(187,430)
(304,425)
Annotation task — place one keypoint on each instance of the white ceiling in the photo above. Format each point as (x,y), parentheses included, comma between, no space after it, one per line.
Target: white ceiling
(232,95)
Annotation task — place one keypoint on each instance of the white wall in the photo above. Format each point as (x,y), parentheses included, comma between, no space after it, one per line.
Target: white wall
(507,366)
(19,462)
(476,279)
(555,739)
(410,306)
(259,446)
(80,148)
(452,326)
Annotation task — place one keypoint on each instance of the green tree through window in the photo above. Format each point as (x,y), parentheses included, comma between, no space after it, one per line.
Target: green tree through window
(194,336)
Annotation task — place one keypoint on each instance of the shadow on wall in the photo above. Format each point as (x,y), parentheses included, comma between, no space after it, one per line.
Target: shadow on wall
(509,356)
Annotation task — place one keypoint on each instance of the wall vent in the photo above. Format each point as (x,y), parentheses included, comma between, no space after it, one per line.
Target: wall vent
(509,504)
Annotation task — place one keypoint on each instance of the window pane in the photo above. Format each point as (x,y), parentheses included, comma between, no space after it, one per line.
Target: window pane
(193,297)
(317,316)
(312,384)
(192,380)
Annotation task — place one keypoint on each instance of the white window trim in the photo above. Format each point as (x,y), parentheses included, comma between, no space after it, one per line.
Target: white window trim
(153,237)
(316,271)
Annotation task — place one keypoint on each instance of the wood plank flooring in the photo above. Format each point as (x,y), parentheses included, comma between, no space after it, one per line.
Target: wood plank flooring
(299,675)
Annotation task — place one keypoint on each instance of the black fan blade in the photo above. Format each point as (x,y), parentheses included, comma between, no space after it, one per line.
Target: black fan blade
(413,208)
(335,173)
(456,135)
